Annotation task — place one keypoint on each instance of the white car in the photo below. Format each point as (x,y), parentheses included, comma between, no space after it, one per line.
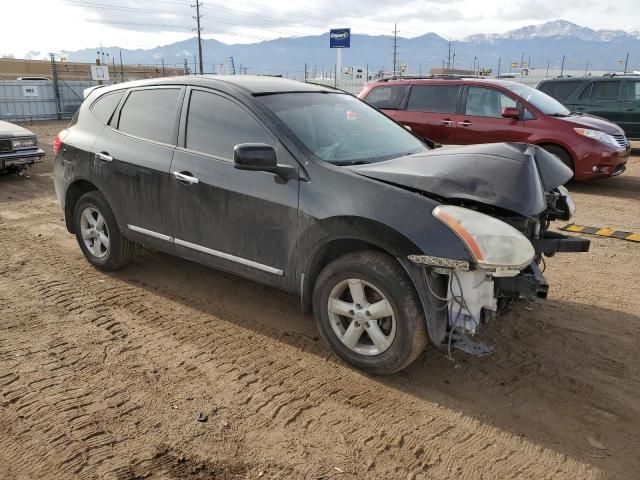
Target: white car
(18,148)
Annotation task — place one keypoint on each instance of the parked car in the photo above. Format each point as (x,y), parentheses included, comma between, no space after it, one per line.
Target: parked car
(616,98)
(18,148)
(467,111)
(310,190)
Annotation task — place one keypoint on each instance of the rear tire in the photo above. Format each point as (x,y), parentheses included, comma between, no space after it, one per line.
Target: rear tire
(370,290)
(562,154)
(98,234)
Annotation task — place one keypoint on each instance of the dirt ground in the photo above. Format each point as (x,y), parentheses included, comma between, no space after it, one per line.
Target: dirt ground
(104,375)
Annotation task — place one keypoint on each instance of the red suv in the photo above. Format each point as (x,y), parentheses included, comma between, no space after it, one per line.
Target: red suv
(464,111)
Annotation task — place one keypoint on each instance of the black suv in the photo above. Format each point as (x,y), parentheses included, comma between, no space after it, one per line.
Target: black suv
(310,190)
(616,98)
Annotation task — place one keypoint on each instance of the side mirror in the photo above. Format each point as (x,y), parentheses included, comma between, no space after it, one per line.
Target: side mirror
(511,112)
(259,157)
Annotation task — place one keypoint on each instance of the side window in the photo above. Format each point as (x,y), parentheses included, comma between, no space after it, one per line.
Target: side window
(388,96)
(151,114)
(560,90)
(104,106)
(215,125)
(605,90)
(433,98)
(632,92)
(486,102)
(586,93)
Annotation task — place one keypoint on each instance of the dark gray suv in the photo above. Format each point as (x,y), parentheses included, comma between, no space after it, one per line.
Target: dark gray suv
(616,98)
(312,191)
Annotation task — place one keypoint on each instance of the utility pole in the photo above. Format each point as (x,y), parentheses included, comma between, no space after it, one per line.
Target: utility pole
(586,70)
(522,61)
(199,30)
(547,75)
(499,65)
(626,63)
(395,49)
(305,72)
(121,67)
(562,67)
(448,57)
(162,67)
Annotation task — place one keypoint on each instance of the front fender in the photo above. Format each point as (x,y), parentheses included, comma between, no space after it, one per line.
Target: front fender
(329,238)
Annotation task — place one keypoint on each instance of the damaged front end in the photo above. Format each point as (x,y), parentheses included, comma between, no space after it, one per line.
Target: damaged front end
(500,200)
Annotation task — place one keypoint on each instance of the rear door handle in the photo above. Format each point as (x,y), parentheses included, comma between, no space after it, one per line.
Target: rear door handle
(185,177)
(104,157)
(629,109)
(466,123)
(447,122)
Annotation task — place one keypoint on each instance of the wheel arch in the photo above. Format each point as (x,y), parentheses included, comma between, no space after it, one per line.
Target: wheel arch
(338,236)
(74,192)
(331,238)
(346,235)
(561,146)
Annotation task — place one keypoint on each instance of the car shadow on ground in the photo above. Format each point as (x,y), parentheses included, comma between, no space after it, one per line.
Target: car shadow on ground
(623,186)
(561,372)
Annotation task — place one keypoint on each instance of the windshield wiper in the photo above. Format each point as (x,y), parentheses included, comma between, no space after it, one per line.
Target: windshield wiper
(355,162)
(557,114)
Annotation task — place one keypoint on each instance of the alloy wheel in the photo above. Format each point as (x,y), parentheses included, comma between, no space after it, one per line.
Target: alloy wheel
(361,317)
(94,232)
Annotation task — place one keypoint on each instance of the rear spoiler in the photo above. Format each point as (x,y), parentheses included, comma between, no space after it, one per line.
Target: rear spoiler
(87,91)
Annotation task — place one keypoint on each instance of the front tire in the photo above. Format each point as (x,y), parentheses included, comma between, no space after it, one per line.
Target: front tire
(562,154)
(368,312)
(98,234)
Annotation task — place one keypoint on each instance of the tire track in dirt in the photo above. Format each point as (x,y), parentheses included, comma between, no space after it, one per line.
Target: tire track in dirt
(267,388)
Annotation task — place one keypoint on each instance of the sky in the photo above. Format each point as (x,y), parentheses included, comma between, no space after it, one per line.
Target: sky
(58,25)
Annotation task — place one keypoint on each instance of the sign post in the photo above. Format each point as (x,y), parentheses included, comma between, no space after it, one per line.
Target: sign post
(339,38)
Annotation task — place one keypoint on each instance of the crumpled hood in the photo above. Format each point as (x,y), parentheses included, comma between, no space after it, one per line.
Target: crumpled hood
(12,130)
(512,176)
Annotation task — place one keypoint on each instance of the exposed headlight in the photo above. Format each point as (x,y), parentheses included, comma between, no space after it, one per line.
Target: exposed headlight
(597,135)
(493,243)
(570,203)
(24,142)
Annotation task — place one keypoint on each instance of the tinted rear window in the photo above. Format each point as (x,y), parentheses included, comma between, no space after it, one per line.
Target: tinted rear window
(605,90)
(632,92)
(560,90)
(388,96)
(151,114)
(104,106)
(433,98)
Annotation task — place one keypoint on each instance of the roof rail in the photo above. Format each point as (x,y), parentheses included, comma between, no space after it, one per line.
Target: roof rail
(427,77)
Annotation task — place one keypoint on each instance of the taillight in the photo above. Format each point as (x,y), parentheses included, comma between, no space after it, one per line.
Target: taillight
(56,144)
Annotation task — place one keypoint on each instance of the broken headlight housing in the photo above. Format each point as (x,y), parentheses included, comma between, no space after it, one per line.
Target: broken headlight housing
(570,209)
(493,244)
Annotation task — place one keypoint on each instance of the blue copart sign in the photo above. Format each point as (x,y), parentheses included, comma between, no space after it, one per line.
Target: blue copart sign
(340,38)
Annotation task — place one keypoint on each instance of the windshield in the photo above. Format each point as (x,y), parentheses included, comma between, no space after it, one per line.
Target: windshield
(543,102)
(341,129)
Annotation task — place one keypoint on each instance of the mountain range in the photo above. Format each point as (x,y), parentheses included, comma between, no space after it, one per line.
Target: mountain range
(542,45)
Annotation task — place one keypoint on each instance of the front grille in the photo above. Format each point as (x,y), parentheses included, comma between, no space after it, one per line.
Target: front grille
(6,145)
(621,140)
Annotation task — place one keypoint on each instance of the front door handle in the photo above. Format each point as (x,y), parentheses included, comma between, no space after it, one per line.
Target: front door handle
(104,157)
(185,177)
(466,123)
(447,122)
